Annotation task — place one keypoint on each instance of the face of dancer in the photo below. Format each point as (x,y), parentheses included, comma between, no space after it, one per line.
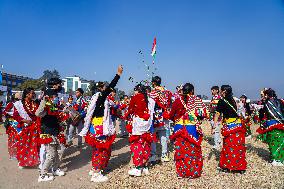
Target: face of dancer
(243,100)
(214,92)
(31,95)
(125,99)
(70,100)
(113,94)
(58,87)
(78,94)
(102,88)
(54,99)
(223,93)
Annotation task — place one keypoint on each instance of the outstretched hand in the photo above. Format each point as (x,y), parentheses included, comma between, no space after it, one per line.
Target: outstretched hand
(119,70)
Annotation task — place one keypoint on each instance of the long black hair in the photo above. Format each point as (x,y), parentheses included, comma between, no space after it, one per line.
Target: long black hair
(26,92)
(157,80)
(229,95)
(142,89)
(187,89)
(270,93)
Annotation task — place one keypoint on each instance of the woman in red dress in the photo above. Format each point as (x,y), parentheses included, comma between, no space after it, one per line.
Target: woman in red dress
(11,131)
(28,128)
(233,154)
(141,111)
(187,112)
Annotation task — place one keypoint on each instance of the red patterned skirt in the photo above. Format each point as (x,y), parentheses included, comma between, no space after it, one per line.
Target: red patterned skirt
(101,150)
(188,155)
(12,142)
(233,154)
(28,146)
(140,146)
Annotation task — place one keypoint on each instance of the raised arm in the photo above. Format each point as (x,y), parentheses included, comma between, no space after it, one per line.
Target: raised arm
(113,83)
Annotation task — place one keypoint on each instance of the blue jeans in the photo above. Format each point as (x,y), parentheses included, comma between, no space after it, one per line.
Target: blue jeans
(161,132)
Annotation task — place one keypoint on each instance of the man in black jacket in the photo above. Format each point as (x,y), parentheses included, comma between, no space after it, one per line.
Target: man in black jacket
(49,111)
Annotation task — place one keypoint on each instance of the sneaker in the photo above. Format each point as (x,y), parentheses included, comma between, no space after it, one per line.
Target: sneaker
(98,177)
(277,163)
(91,172)
(20,167)
(135,172)
(44,178)
(145,171)
(248,137)
(58,172)
(165,158)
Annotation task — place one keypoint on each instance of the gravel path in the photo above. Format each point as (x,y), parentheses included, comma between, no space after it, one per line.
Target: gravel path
(260,174)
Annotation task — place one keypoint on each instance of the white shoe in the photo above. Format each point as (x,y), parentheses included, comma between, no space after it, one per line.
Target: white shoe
(44,178)
(98,177)
(58,172)
(91,172)
(20,167)
(248,137)
(135,172)
(145,171)
(277,163)
(165,158)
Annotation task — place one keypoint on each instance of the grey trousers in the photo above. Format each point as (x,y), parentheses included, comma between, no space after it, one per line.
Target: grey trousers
(54,154)
(122,128)
(72,129)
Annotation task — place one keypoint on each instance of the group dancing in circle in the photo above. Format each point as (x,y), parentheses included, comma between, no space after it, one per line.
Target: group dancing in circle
(36,127)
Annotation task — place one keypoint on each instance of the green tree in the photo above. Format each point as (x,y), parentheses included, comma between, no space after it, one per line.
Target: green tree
(92,88)
(47,74)
(37,84)
(120,94)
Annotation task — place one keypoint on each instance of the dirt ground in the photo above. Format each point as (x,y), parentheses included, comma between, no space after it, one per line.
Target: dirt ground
(76,163)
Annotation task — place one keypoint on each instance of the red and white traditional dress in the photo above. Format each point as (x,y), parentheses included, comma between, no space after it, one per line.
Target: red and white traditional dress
(162,98)
(11,130)
(98,128)
(28,135)
(187,136)
(141,121)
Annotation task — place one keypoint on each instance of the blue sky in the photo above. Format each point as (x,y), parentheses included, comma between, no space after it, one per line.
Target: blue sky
(205,42)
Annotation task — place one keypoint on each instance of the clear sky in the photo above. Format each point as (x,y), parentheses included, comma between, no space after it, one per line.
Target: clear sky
(206,42)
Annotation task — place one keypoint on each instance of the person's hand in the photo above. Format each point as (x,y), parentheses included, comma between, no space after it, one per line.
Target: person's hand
(119,70)
(27,121)
(46,97)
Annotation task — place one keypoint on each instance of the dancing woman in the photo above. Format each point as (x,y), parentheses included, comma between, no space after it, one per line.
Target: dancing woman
(271,129)
(187,112)
(11,127)
(98,128)
(28,128)
(141,110)
(233,154)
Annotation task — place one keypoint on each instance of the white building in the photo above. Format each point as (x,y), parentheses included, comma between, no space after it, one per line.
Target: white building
(73,83)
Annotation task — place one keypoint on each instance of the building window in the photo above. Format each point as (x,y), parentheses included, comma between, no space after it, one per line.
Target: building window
(84,87)
(76,85)
(69,84)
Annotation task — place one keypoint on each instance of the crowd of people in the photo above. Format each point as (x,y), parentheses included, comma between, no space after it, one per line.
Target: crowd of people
(40,130)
